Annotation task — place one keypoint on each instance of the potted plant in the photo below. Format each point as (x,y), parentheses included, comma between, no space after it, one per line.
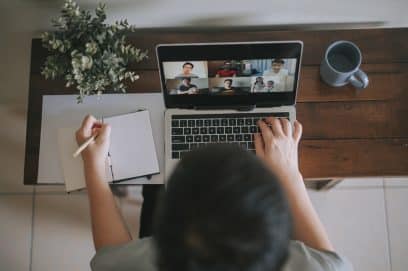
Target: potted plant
(88,53)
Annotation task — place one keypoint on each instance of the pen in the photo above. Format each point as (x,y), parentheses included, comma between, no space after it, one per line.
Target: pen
(83,146)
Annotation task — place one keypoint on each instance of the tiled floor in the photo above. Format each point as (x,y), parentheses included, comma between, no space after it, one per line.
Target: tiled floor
(50,230)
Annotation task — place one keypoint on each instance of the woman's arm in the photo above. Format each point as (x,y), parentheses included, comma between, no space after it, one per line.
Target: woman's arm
(278,148)
(108,227)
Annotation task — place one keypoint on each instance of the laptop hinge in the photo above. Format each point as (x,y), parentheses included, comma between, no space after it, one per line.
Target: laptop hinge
(233,107)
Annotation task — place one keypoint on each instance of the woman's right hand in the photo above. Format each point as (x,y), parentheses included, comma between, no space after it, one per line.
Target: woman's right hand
(277,145)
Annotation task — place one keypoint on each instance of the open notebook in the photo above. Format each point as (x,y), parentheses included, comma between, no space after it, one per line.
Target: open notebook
(132,151)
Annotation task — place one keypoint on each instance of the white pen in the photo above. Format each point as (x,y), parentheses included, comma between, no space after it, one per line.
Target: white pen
(84,145)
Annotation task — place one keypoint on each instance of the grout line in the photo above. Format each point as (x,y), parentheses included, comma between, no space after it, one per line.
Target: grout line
(387,226)
(32,230)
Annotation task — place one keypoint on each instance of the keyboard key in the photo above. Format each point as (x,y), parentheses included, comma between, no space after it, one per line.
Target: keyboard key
(224,122)
(179,147)
(228,130)
(230,138)
(177,131)
(253,129)
(199,123)
(191,123)
(222,138)
(236,130)
(178,139)
(211,130)
(247,137)
(248,121)
(175,155)
(214,138)
(251,145)
(187,131)
(201,145)
(189,139)
(175,123)
(207,123)
(183,123)
(216,122)
(240,122)
(197,138)
(238,137)
(232,122)
(244,129)
(220,130)
(203,130)
(206,138)
(196,131)
(243,144)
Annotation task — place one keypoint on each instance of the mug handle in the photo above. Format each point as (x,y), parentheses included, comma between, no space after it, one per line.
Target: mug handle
(359,79)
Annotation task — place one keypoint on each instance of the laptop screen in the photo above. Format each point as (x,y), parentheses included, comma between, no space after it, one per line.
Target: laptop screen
(229,74)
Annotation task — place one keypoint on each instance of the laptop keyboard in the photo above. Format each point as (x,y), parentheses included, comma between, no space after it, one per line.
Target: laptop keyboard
(189,132)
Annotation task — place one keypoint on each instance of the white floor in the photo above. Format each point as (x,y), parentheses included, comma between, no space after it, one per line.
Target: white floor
(47,229)
(50,230)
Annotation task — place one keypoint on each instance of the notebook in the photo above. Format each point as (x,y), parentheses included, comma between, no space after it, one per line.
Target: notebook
(132,151)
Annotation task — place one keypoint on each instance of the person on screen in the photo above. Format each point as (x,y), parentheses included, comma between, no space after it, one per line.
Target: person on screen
(226,70)
(278,73)
(187,71)
(269,86)
(259,84)
(186,87)
(227,89)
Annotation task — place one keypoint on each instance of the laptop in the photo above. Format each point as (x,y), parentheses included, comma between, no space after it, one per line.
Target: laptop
(216,92)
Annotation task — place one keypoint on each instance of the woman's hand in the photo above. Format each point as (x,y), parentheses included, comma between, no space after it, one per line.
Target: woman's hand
(97,151)
(277,146)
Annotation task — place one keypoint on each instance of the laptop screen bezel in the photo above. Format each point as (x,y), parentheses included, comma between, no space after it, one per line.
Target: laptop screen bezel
(231,50)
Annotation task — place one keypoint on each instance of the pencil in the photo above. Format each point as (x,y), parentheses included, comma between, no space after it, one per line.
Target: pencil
(83,146)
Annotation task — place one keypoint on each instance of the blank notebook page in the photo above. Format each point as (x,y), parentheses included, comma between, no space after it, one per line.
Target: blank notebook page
(132,150)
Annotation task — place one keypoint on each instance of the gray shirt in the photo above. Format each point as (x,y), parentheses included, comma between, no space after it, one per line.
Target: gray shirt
(139,255)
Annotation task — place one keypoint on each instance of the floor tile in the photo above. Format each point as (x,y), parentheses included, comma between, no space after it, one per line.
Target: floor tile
(12,145)
(355,222)
(396,203)
(131,206)
(15,232)
(360,182)
(396,182)
(62,233)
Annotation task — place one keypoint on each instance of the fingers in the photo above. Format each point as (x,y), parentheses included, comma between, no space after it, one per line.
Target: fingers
(266,132)
(297,133)
(103,133)
(276,126)
(259,145)
(88,123)
(286,126)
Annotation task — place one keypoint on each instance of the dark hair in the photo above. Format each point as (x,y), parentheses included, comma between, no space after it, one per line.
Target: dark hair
(188,63)
(228,80)
(222,210)
(278,60)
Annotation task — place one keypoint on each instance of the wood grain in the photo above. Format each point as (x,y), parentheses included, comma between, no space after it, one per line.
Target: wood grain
(353,158)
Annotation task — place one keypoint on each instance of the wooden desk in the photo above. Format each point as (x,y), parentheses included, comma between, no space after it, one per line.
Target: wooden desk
(346,133)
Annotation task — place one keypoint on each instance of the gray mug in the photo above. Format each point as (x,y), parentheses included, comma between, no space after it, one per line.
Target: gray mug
(341,65)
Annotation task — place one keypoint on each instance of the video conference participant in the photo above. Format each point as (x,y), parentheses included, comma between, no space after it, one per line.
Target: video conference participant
(226,70)
(187,87)
(269,86)
(227,89)
(259,84)
(187,69)
(278,74)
